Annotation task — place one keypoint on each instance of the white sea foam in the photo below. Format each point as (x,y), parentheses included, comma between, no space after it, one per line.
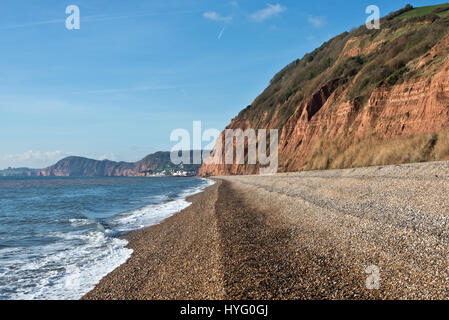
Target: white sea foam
(71,267)
(65,272)
(80,222)
(154,214)
(149,215)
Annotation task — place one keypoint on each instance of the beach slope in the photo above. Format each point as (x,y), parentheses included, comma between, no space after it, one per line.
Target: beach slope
(368,233)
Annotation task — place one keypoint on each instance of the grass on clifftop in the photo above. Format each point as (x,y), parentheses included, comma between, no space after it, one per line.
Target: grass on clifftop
(439,9)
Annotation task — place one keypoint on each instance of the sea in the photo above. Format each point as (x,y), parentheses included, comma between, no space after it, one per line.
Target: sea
(60,236)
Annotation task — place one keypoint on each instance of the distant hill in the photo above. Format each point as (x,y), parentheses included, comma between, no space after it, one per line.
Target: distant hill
(83,167)
(17,172)
(365,97)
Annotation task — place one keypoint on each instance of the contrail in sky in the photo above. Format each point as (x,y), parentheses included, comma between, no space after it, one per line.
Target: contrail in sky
(221,33)
(94,18)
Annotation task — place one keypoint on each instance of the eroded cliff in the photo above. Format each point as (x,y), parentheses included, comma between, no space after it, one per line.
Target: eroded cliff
(83,167)
(368,97)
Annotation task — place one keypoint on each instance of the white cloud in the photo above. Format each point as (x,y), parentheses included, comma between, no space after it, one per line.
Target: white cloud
(32,159)
(234,4)
(270,11)
(108,156)
(212,15)
(317,22)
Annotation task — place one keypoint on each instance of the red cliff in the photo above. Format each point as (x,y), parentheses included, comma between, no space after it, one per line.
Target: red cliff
(368,97)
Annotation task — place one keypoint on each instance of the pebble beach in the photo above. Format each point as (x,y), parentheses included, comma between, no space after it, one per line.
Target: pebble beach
(307,235)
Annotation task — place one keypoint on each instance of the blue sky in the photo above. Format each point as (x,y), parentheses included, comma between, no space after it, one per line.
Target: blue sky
(136,70)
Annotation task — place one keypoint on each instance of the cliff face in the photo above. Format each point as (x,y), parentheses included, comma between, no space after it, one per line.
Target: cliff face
(82,167)
(369,97)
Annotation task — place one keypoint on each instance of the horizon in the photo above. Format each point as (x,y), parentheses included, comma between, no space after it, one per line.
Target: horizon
(117,87)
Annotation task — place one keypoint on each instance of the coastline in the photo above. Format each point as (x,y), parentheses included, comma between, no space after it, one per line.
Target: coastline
(183,244)
(309,235)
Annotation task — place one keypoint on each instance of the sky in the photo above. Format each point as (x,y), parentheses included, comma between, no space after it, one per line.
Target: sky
(137,70)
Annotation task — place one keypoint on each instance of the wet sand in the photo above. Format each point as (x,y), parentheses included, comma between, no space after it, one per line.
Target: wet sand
(309,235)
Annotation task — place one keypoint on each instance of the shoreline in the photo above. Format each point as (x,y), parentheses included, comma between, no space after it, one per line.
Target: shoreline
(309,235)
(164,243)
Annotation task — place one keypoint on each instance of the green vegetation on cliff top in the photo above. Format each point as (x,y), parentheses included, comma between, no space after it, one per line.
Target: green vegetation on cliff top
(439,9)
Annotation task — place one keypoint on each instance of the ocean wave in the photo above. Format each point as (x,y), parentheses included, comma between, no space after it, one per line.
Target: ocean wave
(59,272)
(154,214)
(81,222)
(82,255)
